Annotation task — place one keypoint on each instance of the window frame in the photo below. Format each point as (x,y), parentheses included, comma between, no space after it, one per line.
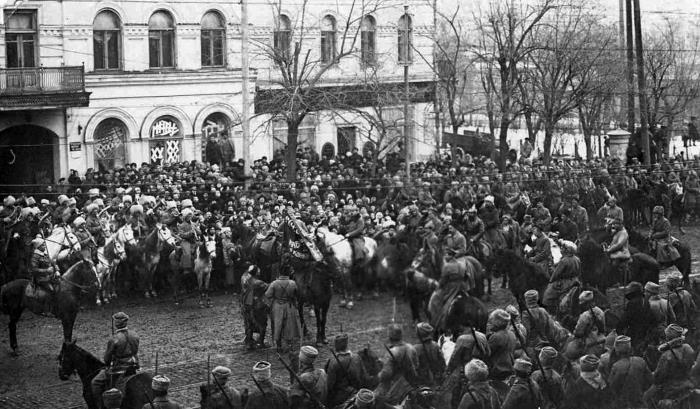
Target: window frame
(20,40)
(329,40)
(282,34)
(405,40)
(159,36)
(211,32)
(102,34)
(368,41)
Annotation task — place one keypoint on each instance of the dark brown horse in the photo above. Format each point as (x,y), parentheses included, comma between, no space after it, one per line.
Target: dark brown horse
(74,359)
(522,274)
(78,283)
(683,264)
(264,253)
(314,287)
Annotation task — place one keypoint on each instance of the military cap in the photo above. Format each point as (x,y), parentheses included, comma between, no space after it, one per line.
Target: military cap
(262,371)
(9,201)
(674,331)
(674,280)
(633,287)
(547,355)
(30,201)
(364,399)
(651,288)
(186,203)
(127,198)
(79,221)
(589,363)
(221,372)
(623,344)
(308,353)
(187,212)
(61,199)
(120,319)
(531,298)
(92,207)
(585,296)
(499,318)
(522,365)
(93,192)
(341,342)
(476,370)
(424,331)
(160,383)
(512,311)
(135,209)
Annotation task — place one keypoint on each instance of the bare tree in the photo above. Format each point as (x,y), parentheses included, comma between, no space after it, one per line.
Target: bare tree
(565,50)
(503,31)
(672,69)
(296,83)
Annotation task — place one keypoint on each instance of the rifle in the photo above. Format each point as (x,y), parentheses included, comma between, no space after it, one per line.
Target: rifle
(393,358)
(255,381)
(228,400)
(301,384)
(345,370)
(536,359)
(150,401)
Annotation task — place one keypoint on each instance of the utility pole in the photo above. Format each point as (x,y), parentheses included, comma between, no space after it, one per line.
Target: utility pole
(641,80)
(630,68)
(407,96)
(621,103)
(245,99)
(436,103)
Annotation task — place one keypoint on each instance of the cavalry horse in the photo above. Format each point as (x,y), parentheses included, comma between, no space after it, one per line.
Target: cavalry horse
(597,270)
(315,289)
(148,252)
(108,258)
(522,274)
(136,389)
(17,295)
(265,251)
(339,250)
(124,236)
(683,264)
(204,253)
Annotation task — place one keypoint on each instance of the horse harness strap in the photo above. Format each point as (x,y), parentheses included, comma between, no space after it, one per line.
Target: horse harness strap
(83,288)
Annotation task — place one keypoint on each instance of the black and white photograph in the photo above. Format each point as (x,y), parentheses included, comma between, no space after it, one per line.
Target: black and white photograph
(349,204)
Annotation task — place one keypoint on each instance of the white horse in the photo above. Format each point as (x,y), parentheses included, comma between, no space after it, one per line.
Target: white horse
(125,235)
(203,256)
(108,258)
(61,243)
(341,251)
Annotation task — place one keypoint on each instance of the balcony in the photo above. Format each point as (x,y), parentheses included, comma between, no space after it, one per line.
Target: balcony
(42,88)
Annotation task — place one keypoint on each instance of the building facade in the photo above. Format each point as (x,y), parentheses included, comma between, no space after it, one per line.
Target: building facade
(101,84)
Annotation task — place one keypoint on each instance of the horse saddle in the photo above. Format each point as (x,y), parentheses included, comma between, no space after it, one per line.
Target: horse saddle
(265,243)
(358,248)
(38,299)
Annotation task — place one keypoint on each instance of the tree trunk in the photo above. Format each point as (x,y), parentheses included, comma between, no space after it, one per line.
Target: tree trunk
(548,133)
(453,147)
(291,156)
(503,142)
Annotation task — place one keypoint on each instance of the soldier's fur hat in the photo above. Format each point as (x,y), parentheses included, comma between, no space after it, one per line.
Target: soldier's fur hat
(341,342)
(476,370)
(261,371)
(308,354)
(120,319)
(160,383)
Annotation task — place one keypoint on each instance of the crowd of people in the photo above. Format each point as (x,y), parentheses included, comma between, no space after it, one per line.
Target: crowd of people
(450,205)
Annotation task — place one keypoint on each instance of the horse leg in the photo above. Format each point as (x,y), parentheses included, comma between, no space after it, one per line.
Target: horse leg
(300,307)
(207,277)
(12,325)
(68,321)
(200,287)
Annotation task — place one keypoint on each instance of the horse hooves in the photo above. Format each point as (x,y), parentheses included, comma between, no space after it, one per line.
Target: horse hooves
(14,353)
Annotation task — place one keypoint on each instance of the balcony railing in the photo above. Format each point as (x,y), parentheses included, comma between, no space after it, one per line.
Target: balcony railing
(42,87)
(39,80)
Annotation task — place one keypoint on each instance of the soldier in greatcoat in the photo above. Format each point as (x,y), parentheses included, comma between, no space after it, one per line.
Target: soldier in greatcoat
(283,298)
(309,388)
(266,394)
(346,373)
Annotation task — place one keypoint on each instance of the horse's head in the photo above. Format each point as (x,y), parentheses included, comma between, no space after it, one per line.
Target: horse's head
(66,360)
(166,236)
(83,275)
(119,250)
(126,235)
(210,246)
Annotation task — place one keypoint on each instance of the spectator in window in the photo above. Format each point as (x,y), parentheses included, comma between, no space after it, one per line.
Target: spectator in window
(213,151)
(228,150)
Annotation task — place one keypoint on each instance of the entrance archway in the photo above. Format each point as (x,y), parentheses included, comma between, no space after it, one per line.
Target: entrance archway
(26,157)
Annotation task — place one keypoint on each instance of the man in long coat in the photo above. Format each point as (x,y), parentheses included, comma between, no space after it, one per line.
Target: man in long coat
(283,295)
(629,376)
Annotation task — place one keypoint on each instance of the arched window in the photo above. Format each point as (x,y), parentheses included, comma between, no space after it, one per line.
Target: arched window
(213,34)
(368,149)
(328,39)
(367,43)
(282,37)
(161,40)
(110,150)
(106,40)
(405,32)
(328,150)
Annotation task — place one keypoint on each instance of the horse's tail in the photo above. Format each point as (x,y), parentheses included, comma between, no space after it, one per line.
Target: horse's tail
(3,307)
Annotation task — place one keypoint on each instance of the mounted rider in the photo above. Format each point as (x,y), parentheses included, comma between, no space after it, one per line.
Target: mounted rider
(567,274)
(473,226)
(137,221)
(43,270)
(27,228)
(541,216)
(610,212)
(353,228)
(121,355)
(673,369)
(660,239)
(491,217)
(399,369)
(541,253)
(189,236)
(88,245)
(618,250)
(681,301)
(169,216)
(93,224)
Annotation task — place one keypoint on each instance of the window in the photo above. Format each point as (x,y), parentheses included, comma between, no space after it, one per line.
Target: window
(282,37)
(213,35)
(368,149)
(367,40)
(328,40)
(405,31)
(346,139)
(328,150)
(165,143)
(106,34)
(305,137)
(161,40)
(110,150)
(20,38)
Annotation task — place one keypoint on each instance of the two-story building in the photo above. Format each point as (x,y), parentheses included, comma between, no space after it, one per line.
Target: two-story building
(100,84)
